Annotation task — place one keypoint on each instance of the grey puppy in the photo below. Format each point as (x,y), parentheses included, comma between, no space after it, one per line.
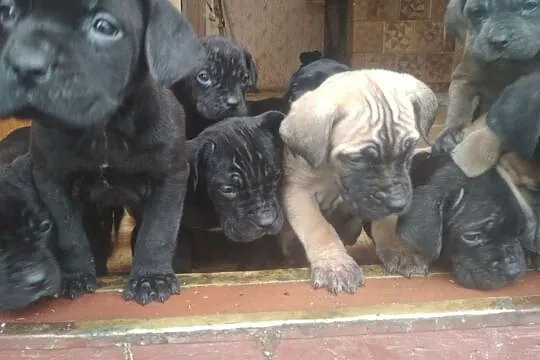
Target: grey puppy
(93,75)
(478,225)
(502,43)
(216,89)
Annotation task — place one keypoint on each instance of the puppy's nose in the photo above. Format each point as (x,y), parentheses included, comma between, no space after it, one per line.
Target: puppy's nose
(233,101)
(499,42)
(31,62)
(36,277)
(266,219)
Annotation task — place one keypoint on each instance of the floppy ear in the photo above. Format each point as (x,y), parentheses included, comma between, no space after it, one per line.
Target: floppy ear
(306,130)
(424,103)
(455,21)
(252,68)
(171,46)
(422,225)
(515,116)
(199,150)
(271,120)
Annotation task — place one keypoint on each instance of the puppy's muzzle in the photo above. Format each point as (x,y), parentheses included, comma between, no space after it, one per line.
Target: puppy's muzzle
(31,61)
(395,198)
(266,219)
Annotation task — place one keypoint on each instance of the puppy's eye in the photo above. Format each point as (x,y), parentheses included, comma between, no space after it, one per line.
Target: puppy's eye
(529,6)
(105,28)
(245,79)
(8,14)
(204,78)
(227,190)
(472,238)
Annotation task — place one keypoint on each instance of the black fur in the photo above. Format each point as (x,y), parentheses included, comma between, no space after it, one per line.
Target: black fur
(235,177)
(475,224)
(97,94)
(216,89)
(515,117)
(311,75)
(28,266)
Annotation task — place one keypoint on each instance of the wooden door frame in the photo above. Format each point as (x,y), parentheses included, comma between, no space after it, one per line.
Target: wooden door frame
(194,10)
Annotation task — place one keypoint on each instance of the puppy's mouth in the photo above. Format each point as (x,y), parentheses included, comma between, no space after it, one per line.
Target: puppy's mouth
(217,113)
(248,230)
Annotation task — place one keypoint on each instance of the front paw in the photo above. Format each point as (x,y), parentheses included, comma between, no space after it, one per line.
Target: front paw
(74,285)
(337,273)
(153,287)
(403,260)
(447,141)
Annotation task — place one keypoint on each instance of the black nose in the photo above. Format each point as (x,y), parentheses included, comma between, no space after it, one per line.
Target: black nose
(30,62)
(266,219)
(499,42)
(35,277)
(233,101)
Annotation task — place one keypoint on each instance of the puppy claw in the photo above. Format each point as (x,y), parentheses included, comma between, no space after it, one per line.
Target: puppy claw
(339,274)
(447,141)
(149,288)
(402,260)
(74,286)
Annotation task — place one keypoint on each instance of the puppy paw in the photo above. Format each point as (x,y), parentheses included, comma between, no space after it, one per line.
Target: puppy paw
(447,141)
(337,274)
(74,285)
(155,287)
(403,260)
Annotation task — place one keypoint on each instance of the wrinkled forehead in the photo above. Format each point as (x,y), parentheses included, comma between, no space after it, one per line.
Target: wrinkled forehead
(72,12)
(388,125)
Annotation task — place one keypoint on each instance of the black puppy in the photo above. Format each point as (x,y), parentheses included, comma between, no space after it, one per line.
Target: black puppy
(216,89)
(235,178)
(28,266)
(235,174)
(93,77)
(310,76)
(478,224)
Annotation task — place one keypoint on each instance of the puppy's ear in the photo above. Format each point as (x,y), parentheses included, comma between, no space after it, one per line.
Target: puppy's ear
(422,225)
(199,151)
(515,116)
(171,47)
(307,129)
(425,104)
(252,68)
(271,120)
(455,21)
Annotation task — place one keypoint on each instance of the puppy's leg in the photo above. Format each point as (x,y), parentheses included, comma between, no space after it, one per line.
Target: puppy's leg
(331,266)
(396,255)
(75,254)
(152,277)
(462,103)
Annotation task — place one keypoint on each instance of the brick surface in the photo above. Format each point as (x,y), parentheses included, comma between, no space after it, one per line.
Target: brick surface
(510,343)
(246,350)
(110,353)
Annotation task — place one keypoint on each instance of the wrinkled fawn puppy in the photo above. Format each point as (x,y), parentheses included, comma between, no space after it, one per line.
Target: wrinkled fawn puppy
(351,141)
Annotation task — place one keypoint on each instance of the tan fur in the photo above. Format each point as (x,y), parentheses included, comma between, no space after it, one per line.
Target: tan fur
(335,119)
(479,150)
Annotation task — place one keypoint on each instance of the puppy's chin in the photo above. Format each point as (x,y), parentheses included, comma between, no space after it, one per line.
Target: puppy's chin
(474,274)
(245,230)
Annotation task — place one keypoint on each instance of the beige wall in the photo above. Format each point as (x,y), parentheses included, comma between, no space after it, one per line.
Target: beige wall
(275,32)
